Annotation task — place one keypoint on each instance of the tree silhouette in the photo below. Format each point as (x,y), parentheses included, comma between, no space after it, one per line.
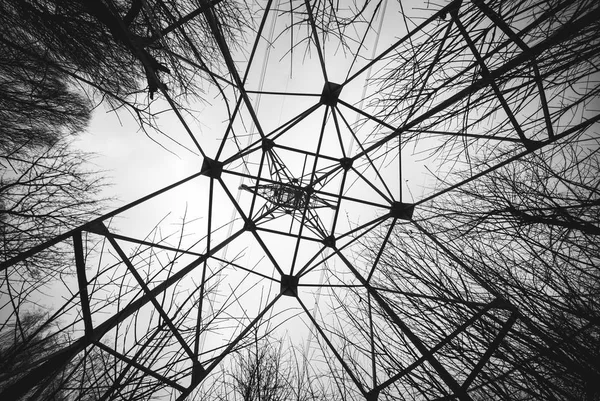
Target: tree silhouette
(114,46)
(43,192)
(481,283)
(37,107)
(23,345)
(266,369)
(532,233)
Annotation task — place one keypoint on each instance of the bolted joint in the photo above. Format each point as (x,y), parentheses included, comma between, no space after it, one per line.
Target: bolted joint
(249,225)
(454,8)
(372,395)
(211,168)
(532,145)
(267,144)
(96,227)
(329,241)
(402,211)
(346,163)
(198,373)
(331,93)
(289,285)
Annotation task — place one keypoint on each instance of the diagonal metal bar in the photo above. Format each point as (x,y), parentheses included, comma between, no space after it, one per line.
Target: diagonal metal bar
(338,131)
(136,365)
(414,339)
(60,358)
(338,207)
(472,304)
(59,238)
(117,381)
(367,156)
(484,284)
(515,38)
(570,131)
(560,35)
(286,234)
(332,348)
(373,223)
(228,349)
(454,4)
(307,267)
(383,244)
(440,345)
(147,291)
(249,270)
(154,245)
(370,183)
(214,76)
(310,185)
(258,178)
(305,152)
(249,224)
(464,135)
(250,61)
(285,127)
(83,283)
(367,30)
(370,225)
(204,269)
(229,129)
(214,25)
(485,72)
(491,349)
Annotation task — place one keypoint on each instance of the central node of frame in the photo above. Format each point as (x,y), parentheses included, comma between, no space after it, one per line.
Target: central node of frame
(289,285)
(249,225)
(329,241)
(346,163)
(267,144)
(330,94)
(198,373)
(289,198)
(402,211)
(211,168)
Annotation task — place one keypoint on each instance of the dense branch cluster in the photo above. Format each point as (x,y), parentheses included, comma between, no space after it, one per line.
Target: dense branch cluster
(116,45)
(482,283)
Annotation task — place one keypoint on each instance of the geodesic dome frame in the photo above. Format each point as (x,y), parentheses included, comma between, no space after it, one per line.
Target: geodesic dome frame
(328,237)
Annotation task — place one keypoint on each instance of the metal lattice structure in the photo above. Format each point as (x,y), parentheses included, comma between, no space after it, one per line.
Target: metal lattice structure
(319,227)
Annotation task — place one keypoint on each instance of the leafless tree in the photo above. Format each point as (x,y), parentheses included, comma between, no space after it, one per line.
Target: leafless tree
(44,192)
(148,341)
(37,107)
(117,44)
(532,233)
(487,291)
(265,369)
